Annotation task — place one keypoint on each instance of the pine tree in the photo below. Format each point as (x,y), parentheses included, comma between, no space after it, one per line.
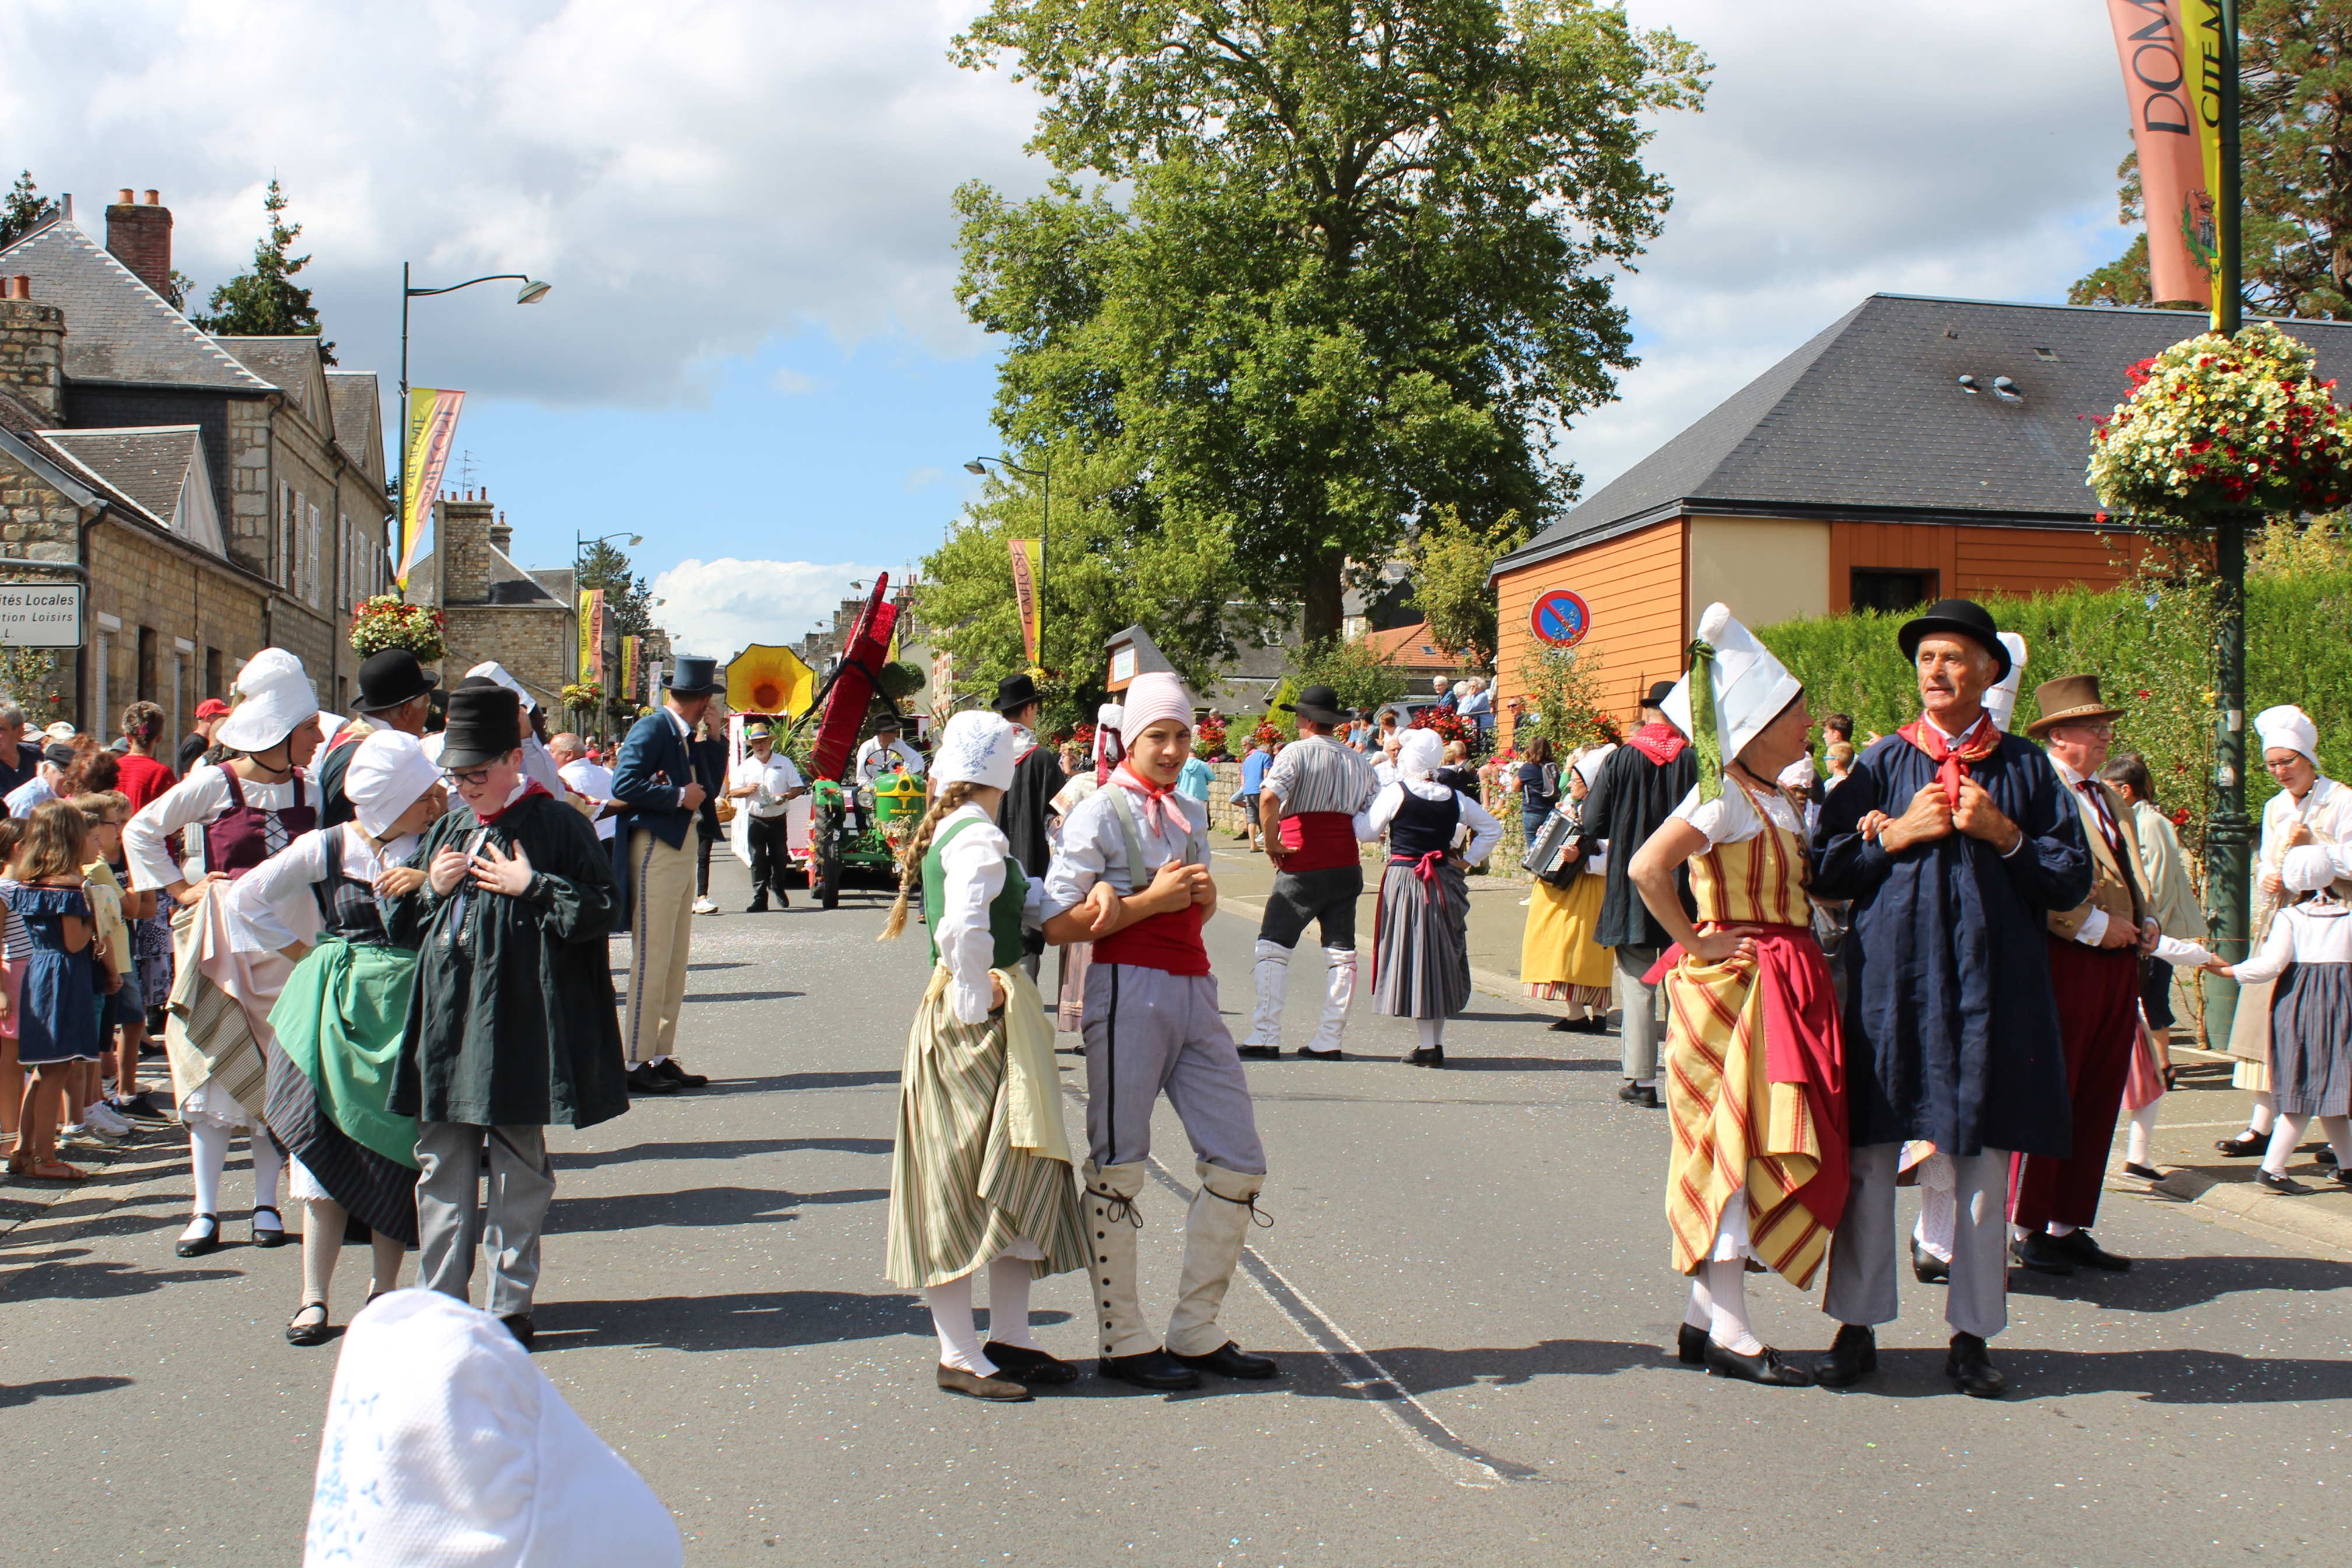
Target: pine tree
(24,211)
(266,302)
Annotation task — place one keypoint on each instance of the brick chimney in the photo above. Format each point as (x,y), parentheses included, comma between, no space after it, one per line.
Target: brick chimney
(501,535)
(32,348)
(139,236)
(465,530)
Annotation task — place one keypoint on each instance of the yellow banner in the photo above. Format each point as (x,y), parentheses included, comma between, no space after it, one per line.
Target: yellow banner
(2204,56)
(1028,574)
(591,635)
(628,669)
(431,434)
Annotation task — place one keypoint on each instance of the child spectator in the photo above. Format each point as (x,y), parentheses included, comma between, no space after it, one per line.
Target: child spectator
(15,950)
(2308,951)
(56,1024)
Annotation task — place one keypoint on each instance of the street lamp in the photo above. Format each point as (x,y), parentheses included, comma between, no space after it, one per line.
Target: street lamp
(531,292)
(1044,476)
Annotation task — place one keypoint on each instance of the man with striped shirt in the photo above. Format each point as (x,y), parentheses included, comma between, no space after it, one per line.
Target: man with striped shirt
(1307,808)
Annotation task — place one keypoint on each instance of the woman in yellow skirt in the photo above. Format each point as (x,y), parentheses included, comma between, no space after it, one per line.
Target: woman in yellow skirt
(1559,960)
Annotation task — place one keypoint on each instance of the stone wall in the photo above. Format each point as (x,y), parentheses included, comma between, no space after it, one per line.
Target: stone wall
(198,616)
(533,641)
(246,518)
(32,354)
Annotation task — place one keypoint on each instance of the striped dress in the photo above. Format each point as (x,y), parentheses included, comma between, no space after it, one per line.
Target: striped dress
(980,1167)
(1754,1070)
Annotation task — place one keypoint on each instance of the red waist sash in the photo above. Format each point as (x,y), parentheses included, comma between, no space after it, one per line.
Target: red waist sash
(1170,941)
(1318,841)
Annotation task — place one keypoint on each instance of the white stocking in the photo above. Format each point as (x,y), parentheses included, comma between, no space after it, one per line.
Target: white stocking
(207,1153)
(2284,1135)
(1432,1032)
(950,1307)
(2143,1124)
(1008,1302)
(1700,1313)
(1726,1284)
(2265,1111)
(323,1241)
(269,1165)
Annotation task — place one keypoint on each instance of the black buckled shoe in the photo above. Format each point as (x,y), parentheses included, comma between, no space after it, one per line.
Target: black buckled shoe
(1155,1370)
(2243,1146)
(645,1079)
(1690,1346)
(197,1245)
(679,1076)
(299,1332)
(2324,1159)
(1260,1053)
(2088,1254)
(1639,1094)
(2040,1252)
(1927,1268)
(996,1390)
(1334,1054)
(2140,1172)
(269,1235)
(520,1325)
(1229,1359)
(2284,1186)
(1970,1368)
(1853,1356)
(1022,1363)
(1426,1057)
(1764,1367)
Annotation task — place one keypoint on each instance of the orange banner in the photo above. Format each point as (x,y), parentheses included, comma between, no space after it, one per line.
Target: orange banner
(2173,189)
(1028,566)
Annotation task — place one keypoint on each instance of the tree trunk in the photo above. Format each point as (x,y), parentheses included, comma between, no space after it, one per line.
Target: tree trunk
(1320,606)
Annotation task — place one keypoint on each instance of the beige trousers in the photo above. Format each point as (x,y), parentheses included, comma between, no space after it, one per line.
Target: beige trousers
(662,922)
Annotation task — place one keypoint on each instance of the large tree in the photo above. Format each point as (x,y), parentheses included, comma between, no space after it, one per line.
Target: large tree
(628,603)
(1359,265)
(264,301)
(23,210)
(2294,129)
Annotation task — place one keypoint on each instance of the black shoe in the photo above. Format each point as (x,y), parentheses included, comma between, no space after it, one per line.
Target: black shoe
(199,1246)
(1023,1364)
(1640,1094)
(1853,1356)
(2244,1145)
(997,1390)
(299,1333)
(518,1325)
(2285,1186)
(275,1236)
(1690,1346)
(1154,1370)
(143,1111)
(1927,1268)
(2341,1179)
(679,1076)
(1764,1367)
(2043,1253)
(1970,1368)
(2086,1253)
(1229,1359)
(647,1079)
(756,907)
(1260,1053)
(2143,1173)
(1331,1056)
(1426,1057)
(2324,1159)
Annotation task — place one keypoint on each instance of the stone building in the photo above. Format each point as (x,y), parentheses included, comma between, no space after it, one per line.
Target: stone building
(493,608)
(289,450)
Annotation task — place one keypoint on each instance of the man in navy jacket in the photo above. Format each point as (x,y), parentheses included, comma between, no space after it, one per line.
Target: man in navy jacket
(658,780)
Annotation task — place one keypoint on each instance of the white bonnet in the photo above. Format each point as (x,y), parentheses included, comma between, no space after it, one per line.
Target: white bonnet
(976,746)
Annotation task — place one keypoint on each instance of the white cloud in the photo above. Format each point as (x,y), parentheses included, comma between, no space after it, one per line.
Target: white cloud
(720,607)
(792,382)
(923,477)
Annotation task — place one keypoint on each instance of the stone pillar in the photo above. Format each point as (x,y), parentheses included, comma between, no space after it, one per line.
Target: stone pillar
(33,350)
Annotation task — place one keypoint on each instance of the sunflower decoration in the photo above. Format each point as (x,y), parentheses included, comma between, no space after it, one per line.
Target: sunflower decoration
(764,679)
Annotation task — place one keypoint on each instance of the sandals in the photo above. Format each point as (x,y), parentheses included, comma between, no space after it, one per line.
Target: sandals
(50,1169)
(197,1245)
(274,1236)
(299,1333)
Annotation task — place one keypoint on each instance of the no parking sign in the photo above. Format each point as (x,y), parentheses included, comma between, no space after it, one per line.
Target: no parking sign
(1559,618)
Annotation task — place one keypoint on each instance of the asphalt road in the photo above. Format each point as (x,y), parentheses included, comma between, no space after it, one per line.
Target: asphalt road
(1467,1287)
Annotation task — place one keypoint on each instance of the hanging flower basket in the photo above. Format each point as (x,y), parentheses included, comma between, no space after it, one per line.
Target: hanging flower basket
(389,621)
(584,694)
(1209,739)
(2222,424)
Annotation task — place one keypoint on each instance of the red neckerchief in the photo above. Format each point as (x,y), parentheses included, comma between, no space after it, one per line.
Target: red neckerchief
(531,787)
(1661,741)
(1978,742)
(1155,807)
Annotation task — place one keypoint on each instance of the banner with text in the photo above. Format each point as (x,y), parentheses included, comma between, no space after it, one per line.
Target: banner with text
(2203,56)
(591,635)
(432,433)
(629,669)
(1028,572)
(2173,172)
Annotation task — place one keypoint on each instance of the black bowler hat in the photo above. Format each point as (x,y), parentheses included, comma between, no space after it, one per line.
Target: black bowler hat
(485,724)
(1961,617)
(693,676)
(1016,692)
(1659,691)
(393,678)
(1319,705)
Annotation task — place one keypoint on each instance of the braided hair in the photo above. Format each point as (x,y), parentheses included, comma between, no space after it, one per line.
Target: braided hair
(918,844)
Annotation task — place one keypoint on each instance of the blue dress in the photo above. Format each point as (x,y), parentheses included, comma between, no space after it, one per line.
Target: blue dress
(57,1017)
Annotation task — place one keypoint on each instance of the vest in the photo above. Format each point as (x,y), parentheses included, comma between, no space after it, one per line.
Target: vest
(1003,910)
(1423,826)
(1758,881)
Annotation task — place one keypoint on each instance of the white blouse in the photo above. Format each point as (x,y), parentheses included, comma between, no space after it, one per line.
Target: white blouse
(972,875)
(1484,831)
(2326,807)
(273,907)
(151,836)
(1730,817)
(2303,933)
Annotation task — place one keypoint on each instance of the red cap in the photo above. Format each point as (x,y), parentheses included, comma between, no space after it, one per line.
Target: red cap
(211,708)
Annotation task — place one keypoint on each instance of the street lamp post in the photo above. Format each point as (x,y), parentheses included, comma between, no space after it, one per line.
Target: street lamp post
(2228,835)
(531,292)
(580,544)
(1044,476)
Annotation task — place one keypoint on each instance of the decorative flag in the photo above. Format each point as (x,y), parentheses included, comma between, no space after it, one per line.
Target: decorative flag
(2204,56)
(765,679)
(2176,175)
(591,634)
(628,669)
(1028,572)
(431,432)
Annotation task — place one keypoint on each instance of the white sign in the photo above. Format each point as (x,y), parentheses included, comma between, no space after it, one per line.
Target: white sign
(40,614)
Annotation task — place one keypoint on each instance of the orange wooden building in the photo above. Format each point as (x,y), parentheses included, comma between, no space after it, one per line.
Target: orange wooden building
(1916,449)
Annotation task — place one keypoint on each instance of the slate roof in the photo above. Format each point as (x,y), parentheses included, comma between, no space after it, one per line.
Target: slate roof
(149,466)
(1868,421)
(289,363)
(24,438)
(118,328)
(357,402)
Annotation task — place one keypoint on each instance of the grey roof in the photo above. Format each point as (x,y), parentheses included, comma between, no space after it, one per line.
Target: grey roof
(23,438)
(118,328)
(149,466)
(357,400)
(1867,420)
(289,363)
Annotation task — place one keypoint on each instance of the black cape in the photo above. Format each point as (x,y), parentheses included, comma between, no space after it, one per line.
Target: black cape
(335,806)
(1631,796)
(1037,778)
(513,1021)
(1951,1033)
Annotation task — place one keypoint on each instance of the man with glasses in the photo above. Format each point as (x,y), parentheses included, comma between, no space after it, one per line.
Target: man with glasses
(2096,949)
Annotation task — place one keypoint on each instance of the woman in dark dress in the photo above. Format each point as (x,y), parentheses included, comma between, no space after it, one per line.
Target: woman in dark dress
(1422,957)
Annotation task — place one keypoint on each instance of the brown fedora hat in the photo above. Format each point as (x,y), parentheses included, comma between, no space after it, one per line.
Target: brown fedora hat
(2066,699)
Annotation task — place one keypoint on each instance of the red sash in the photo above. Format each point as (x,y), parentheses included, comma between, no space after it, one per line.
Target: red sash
(1170,941)
(1318,841)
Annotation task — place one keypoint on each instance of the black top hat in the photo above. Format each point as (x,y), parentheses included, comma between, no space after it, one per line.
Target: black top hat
(1016,692)
(485,724)
(1962,617)
(1319,705)
(1658,693)
(392,678)
(693,676)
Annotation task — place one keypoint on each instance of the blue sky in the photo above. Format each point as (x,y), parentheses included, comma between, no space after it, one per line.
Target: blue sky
(752,354)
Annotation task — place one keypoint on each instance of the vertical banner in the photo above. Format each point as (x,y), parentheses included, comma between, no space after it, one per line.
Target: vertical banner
(591,634)
(2203,56)
(431,432)
(1028,569)
(628,669)
(2174,172)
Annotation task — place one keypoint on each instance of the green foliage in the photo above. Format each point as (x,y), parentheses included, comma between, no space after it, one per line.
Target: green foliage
(265,301)
(1362,267)
(29,677)
(1450,559)
(628,604)
(24,210)
(1362,675)
(1562,686)
(1112,567)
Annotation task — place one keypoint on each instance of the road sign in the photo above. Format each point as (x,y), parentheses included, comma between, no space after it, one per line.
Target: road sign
(40,614)
(1559,618)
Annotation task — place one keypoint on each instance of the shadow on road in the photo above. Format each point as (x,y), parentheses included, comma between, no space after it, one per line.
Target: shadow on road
(777,1320)
(2159,1377)
(700,1207)
(744,995)
(1420,1369)
(788,1081)
(2169,1284)
(57,1388)
(725,1148)
(99,1281)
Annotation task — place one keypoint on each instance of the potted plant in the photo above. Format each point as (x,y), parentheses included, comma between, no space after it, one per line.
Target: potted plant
(388,620)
